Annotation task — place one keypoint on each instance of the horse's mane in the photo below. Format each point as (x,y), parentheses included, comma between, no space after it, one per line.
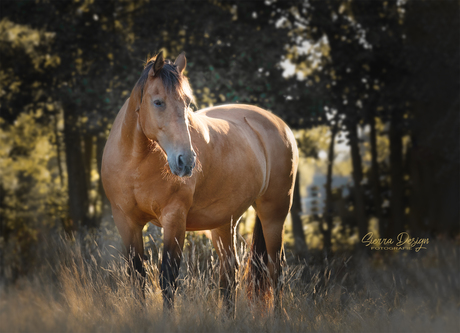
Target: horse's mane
(173,81)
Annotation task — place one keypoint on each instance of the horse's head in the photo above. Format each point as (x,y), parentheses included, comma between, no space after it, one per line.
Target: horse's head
(164,111)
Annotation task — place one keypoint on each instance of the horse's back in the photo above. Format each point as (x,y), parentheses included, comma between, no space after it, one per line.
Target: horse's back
(273,139)
(239,113)
(275,135)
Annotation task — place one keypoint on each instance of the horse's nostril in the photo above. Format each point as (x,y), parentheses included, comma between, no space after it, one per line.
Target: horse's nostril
(180,161)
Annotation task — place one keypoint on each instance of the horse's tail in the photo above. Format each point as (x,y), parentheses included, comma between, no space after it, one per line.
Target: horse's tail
(257,271)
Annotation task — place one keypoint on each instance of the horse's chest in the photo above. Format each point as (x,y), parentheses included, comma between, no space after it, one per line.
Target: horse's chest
(216,201)
(149,197)
(153,193)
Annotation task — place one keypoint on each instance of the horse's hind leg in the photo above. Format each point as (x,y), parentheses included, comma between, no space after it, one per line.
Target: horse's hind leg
(272,215)
(223,239)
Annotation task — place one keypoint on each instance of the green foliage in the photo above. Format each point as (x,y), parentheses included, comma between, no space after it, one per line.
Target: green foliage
(24,67)
(33,199)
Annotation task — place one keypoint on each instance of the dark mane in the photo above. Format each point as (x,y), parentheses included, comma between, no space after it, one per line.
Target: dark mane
(173,81)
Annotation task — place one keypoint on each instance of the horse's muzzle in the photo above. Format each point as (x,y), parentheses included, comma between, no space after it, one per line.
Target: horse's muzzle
(184,166)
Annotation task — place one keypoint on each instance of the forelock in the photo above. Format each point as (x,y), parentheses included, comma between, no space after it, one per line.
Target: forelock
(173,81)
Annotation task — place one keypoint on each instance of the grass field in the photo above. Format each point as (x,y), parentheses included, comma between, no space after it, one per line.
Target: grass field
(82,286)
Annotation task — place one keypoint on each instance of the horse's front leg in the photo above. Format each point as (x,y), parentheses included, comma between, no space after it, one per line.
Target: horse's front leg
(173,221)
(131,235)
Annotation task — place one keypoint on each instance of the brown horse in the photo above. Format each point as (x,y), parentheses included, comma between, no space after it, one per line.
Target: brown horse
(184,170)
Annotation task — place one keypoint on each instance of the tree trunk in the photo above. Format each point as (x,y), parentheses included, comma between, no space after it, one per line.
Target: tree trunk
(297,227)
(359,208)
(105,204)
(88,155)
(397,186)
(416,199)
(88,145)
(58,149)
(76,178)
(3,233)
(375,174)
(328,213)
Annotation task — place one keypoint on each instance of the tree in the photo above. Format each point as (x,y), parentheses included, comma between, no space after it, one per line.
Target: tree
(97,50)
(79,80)
(432,31)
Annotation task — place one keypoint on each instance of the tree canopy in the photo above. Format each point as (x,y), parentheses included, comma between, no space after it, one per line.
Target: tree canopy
(371,71)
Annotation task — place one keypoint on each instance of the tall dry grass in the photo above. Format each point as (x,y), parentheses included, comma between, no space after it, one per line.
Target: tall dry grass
(82,286)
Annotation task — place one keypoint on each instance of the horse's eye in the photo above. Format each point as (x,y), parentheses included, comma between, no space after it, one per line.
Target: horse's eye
(158,103)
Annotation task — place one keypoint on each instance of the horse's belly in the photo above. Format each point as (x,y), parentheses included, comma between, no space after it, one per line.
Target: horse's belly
(217,214)
(199,221)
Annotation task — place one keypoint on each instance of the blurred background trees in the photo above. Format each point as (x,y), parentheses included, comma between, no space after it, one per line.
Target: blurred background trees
(370,88)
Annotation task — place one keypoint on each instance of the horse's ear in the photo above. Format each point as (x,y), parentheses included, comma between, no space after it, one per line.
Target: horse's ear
(158,64)
(181,62)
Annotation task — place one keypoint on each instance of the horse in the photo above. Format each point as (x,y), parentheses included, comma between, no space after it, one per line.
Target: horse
(189,171)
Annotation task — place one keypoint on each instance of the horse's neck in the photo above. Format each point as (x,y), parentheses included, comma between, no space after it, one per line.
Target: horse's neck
(133,139)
